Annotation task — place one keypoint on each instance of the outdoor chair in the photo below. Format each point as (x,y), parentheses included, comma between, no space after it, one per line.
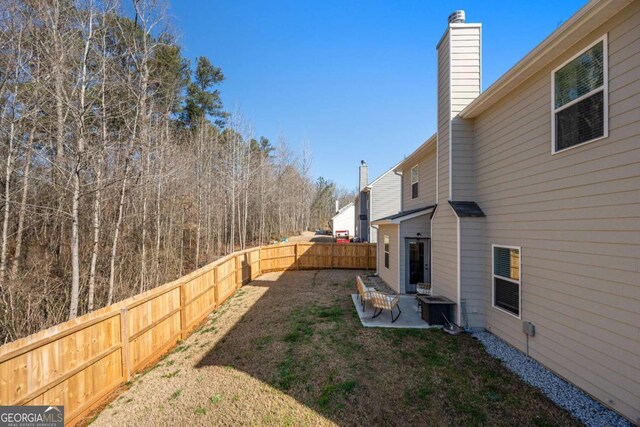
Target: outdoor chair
(364,291)
(424,288)
(382,301)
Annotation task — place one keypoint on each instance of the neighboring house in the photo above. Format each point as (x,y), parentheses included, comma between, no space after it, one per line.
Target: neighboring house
(382,198)
(527,199)
(344,219)
(362,227)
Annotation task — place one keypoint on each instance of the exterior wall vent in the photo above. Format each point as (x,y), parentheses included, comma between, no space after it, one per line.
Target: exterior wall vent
(457,17)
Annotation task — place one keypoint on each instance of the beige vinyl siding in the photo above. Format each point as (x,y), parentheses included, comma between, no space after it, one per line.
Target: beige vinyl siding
(463,180)
(444,109)
(385,196)
(426,182)
(411,228)
(465,87)
(465,65)
(472,270)
(576,215)
(389,275)
(445,254)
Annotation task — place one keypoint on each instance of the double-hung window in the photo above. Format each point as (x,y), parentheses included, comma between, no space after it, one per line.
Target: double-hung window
(506,279)
(415,177)
(386,251)
(579,98)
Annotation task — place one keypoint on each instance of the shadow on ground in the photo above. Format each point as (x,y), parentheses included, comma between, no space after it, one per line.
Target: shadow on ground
(302,338)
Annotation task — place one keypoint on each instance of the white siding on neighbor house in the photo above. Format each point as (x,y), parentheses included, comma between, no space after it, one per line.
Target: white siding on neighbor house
(426,182)
(411,228)
(472,270)
(345,220)
(373,235)
(576,215)
(444,237)
(389,275)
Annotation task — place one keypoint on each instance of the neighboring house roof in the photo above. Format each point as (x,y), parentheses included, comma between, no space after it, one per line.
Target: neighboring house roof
(368,187)
(342,209)
(405,215)
(418,152)
(466,209)
(591,16)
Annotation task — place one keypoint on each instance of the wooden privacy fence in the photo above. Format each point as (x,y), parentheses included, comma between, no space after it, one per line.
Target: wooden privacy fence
(79,362)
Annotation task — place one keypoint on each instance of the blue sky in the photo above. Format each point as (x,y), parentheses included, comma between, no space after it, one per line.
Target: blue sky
(355,79)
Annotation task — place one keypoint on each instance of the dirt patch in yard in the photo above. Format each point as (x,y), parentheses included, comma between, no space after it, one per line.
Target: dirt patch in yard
(310,236)
(289,349)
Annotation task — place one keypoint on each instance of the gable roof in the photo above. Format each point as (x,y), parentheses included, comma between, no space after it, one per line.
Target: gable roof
(589,17)
(393,168)
(342,209)
(418,152)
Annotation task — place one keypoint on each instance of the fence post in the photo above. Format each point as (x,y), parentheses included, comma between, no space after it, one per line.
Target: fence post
(297,254)
(236,271)
(124,337)
(183,312)
(216,295)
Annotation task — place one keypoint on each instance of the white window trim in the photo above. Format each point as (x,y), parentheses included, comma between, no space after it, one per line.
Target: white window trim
(417,181)
(519,282)
(385,252)
(604,88)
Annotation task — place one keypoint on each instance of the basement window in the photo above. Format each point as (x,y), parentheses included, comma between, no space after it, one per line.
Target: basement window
(386,251)
(579,93)
(506,279)
(415,177)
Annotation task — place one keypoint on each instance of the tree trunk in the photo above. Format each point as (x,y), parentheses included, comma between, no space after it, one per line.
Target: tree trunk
(23,207)
(7,203)
(116,233)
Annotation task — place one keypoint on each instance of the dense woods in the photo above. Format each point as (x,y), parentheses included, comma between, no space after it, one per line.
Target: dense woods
(121,169)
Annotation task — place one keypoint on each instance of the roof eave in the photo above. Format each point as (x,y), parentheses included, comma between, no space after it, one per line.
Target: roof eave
(392,169)
(590,16)
(417,152)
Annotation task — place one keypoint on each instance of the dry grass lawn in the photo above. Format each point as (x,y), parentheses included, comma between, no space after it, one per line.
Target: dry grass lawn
(288,349)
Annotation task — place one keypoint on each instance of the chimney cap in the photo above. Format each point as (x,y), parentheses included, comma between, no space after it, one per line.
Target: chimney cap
(363,163)
(457,17)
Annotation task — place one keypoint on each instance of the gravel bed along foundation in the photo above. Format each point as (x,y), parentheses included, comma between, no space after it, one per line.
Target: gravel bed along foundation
(567,396)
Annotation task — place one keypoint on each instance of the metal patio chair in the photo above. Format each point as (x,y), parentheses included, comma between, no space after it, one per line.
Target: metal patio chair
(382,301)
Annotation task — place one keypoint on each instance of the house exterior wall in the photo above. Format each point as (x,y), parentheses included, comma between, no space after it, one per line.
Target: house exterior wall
(384,198)
(463,179)
(411,228)
(444,116)
(389,275)
(473,271)
(426,182)
(444,257)
(373,235)
(576,215)
(345,220)
(458,85)
(361,226)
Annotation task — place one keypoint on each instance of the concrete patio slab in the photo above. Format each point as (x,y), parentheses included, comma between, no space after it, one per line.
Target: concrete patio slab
(410,317)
